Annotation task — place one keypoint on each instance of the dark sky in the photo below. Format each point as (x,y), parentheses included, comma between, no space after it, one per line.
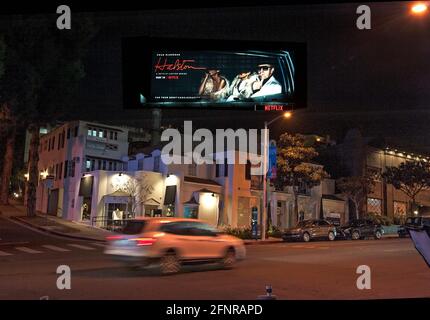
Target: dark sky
(377,80)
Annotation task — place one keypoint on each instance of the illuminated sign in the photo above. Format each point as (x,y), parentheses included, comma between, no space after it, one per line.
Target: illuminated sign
(172,73)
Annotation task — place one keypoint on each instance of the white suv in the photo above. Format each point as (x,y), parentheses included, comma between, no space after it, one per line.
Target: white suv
(172,242)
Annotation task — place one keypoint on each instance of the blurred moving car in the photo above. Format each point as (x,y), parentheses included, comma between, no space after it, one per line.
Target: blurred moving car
(416,223)
(311,229)
(171,242)
(360,229)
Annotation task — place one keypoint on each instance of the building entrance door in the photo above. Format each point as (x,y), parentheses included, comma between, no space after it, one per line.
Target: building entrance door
(53,202)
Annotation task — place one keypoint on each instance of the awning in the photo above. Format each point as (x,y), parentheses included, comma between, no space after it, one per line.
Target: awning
(86,186)
(191,202)
(204,190)
(151,202)
(116,197)
(170,195)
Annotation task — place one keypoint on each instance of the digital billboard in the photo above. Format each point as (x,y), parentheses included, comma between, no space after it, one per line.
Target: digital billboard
(166,73)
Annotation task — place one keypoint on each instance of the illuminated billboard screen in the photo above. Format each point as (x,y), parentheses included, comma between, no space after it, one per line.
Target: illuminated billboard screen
(161,73)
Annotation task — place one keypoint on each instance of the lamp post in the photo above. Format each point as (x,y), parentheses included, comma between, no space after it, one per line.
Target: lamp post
(286,115)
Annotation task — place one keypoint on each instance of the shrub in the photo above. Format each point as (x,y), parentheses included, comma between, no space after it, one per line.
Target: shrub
(399,219)
(240,232)
(377,218)
(274,232)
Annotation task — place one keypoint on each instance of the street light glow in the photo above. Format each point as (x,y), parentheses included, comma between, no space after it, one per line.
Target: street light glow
(288,114)
(419,8)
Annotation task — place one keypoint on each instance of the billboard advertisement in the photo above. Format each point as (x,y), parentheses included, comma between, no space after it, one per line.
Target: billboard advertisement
(176,73)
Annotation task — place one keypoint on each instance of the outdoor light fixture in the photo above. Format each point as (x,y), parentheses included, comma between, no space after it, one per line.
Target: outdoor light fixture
(213,194)
(120,174)
(44,174)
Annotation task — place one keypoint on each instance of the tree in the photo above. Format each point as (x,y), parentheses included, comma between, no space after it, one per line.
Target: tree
(42,69)
(356,189)
(295,167)
(411,177)
(138,189)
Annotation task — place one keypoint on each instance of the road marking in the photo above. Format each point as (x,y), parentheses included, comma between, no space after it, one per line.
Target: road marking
(99,244)
(398,250)
(27,250)
(303,247)
(55,248)
(3,254)
(80,246)
(13,243)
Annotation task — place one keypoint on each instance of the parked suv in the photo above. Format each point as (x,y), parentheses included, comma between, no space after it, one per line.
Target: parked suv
(171,242)
(416,223)
(362,228)
(311,229)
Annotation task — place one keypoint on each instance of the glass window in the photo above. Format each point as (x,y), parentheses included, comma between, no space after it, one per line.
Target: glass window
(248,170)
(88,165)
(157,164)
(399,208)
(76,131)
(110,135)
(100,134)
(140,164)
(116,136)
(72,170)
(94,133)
(134,227)
(374,205)
(90,131)
(180,228)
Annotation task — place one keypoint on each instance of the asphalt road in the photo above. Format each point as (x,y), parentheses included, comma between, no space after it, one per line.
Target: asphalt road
(316,270)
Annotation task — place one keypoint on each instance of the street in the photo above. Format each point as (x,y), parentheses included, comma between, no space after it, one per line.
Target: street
(316,270)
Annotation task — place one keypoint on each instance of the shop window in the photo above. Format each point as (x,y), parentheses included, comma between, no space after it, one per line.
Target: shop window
(248,170)
(374,205)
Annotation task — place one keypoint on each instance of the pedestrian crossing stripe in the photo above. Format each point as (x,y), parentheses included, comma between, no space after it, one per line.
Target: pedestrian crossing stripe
(3,254)
(80,246)
(27,250)
(55,248)
(99,244)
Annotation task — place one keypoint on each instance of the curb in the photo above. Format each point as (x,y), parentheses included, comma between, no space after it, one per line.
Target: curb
(260,242)
(55,232)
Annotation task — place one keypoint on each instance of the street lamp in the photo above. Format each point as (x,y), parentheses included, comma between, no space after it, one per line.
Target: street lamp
(285,115)
(419,8)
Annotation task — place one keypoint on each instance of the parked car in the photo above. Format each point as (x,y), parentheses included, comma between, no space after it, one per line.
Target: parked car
(311,229)
(360,229)
(416,223)
(171,242)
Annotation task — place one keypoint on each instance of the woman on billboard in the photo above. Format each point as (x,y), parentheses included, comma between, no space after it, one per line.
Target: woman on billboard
(213,85)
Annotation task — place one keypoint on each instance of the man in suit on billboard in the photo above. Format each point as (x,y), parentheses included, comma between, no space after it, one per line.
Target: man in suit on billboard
(266,84)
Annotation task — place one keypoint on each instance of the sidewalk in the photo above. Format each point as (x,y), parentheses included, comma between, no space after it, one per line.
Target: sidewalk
(54,225)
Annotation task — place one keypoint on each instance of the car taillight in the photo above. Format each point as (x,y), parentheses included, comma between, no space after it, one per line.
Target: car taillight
(144,241)
(112,238)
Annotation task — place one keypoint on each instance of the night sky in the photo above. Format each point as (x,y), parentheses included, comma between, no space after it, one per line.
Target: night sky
(377,80)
